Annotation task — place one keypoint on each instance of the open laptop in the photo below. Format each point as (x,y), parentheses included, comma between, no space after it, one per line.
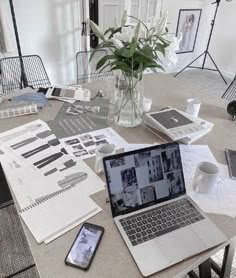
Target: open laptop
(159,223)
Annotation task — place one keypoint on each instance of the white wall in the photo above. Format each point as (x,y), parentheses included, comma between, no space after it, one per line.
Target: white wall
(223,44)
(51,29)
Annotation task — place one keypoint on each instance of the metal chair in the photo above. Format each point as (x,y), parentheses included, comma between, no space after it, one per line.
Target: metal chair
(23,71)
(230,93)
(86,69)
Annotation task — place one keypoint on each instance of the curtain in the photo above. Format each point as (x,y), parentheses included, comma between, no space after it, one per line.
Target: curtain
(7,37)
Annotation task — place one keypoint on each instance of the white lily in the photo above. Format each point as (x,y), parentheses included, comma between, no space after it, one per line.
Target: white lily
(117,43)
(125,35)
(124,18)
(161,24)
(172,48)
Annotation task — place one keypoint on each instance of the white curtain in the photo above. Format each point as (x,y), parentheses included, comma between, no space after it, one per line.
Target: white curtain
(7,37)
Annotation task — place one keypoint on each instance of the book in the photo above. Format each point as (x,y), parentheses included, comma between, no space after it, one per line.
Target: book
(51,216)
(178,125)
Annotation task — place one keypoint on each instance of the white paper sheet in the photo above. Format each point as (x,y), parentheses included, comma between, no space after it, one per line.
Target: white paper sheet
(84,145)
(28,179)
(222,198)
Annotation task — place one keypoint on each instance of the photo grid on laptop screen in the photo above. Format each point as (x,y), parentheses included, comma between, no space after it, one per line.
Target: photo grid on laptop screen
(144,177)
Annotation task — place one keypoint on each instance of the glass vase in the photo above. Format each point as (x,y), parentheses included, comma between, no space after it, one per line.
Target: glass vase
(128,107)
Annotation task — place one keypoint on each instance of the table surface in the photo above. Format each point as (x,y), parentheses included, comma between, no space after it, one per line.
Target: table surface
(113,258)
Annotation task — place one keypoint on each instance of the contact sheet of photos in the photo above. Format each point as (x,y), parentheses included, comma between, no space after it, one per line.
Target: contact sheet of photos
(41,166)
(84,145)
(144,177)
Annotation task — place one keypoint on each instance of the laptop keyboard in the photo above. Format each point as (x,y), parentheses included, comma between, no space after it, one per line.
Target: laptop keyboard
(156,222)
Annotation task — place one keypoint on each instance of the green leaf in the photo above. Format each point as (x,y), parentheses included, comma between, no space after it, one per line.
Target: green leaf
(104,59)
(160,47)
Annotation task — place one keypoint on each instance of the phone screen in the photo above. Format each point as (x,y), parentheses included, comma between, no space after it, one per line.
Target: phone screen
(82,251)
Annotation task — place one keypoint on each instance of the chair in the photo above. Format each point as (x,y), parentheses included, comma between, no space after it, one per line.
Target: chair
(23,71)
(230,93)
(86,69)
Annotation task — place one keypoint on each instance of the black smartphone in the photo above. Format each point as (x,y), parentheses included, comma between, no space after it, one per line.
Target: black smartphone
(84,246)
(231,160)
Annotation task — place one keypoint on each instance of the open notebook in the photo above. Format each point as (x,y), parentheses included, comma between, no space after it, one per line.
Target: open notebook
(58,213)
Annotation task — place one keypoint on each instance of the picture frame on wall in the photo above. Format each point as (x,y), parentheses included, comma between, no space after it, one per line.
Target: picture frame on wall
(188,24)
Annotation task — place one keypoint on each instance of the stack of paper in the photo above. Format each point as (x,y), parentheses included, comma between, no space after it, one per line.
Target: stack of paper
(68,93)
(44,178)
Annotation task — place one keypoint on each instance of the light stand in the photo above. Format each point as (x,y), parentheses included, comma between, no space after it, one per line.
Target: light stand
(206,52)
(23,75)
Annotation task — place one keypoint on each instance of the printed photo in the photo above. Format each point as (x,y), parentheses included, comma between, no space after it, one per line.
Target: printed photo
(101,142)
(80,153)
(72,141)
(99,137)
(89,143)
(92,151)
(86,137)
(117,162)
(175,182)
(78,147)
(155,168)
(171,160)
(147,194)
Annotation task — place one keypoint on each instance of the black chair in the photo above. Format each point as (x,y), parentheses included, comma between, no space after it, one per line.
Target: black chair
(230,93)
(23,71)
(86,68)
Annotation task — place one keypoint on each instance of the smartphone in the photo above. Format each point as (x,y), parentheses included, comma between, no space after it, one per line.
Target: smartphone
(84,246)
(231,160)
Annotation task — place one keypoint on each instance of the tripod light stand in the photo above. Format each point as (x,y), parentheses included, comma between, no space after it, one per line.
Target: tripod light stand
(206,52)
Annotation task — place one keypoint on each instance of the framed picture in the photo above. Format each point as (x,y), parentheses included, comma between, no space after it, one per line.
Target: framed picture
(188,23)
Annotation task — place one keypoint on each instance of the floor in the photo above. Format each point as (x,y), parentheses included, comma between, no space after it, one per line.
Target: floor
(211,83)
(207,81)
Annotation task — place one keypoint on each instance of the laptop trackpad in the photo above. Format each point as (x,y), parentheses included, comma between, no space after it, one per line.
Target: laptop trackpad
(181,244)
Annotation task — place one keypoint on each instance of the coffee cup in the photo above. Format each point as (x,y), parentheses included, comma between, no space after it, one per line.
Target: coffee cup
(205,177)
(193,106)
(101,152)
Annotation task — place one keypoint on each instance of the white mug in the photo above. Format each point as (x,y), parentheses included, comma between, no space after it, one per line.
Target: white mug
(147,104)
(205,177)
(103,151)
(193,106)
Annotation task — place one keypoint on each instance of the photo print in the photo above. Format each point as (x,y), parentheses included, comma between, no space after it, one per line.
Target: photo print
(171,160)
(175,182)
(117,162)
(99,137)
(188,23)
(85,137)
(92,151)
(101,142)
(78,147)
(155,168)
(72,141)
(89,143)
(80,153)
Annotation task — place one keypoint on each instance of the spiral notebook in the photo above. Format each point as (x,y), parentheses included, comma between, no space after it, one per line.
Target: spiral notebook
(53,216)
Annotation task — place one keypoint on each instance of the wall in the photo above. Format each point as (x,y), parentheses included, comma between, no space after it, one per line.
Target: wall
(51,29)
(223,43)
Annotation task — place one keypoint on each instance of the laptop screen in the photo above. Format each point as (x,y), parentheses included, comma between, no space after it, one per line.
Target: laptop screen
(144,177)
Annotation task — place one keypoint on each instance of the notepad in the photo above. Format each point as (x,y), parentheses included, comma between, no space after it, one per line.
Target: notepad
(52,216)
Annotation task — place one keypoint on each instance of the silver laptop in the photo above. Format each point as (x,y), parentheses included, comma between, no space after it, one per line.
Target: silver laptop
(159,223)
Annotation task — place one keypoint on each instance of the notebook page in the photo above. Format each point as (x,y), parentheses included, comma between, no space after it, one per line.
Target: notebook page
(52,216)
